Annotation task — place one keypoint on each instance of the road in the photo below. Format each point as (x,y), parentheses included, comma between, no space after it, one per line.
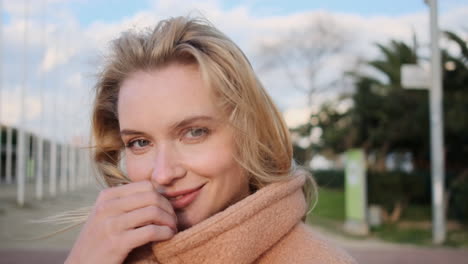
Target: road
(18,246)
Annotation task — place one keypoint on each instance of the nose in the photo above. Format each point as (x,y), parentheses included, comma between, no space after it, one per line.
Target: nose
(167,166)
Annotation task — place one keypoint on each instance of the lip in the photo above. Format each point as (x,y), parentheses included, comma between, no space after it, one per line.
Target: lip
(186,197)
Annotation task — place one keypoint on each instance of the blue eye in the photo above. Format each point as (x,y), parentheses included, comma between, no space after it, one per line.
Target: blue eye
(196,132)
(138,143)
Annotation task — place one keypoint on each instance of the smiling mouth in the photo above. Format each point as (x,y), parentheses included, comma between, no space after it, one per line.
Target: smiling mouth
(183,198)
(176,198)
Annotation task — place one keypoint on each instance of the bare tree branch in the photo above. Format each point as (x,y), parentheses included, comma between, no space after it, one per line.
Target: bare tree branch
(303,53)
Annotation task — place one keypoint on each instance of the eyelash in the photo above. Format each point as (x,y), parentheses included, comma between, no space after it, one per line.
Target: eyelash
(131,143)
(206,132)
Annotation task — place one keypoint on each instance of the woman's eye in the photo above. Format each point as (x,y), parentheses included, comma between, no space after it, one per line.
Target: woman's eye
(139,143)
(197,132)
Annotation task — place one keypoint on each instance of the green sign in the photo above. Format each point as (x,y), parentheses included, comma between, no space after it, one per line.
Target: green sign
(356,199)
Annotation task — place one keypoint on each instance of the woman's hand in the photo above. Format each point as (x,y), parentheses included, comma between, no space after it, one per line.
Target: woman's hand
(123,218)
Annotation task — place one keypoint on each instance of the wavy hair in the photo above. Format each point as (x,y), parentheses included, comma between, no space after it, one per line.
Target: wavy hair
(262,139)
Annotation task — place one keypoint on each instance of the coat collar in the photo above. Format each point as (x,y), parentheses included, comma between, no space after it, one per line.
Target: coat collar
(242,232)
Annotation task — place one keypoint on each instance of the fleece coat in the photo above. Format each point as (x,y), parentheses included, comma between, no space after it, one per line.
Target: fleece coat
(265,227)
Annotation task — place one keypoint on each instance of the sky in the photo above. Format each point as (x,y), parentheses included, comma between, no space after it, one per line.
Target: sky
(53,53)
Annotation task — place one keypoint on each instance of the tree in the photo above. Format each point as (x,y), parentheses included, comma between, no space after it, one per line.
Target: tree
(302,54)
(381,110)
(386,118)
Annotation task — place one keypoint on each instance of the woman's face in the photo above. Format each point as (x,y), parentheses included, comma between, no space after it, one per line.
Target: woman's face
(178,139)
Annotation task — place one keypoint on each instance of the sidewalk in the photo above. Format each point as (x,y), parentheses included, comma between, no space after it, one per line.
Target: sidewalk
(367,251)
(16,232)
(16,229)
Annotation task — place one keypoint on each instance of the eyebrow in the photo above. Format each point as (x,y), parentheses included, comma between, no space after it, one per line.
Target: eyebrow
(175,126)
(189,120)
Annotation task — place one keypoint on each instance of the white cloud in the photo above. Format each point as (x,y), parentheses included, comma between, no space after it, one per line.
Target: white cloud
(72,50)
(10,107)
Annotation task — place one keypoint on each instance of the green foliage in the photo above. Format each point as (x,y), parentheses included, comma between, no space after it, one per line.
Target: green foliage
(393,233)
(329,214)
(301,155)
(390,188)
(330,179)
(459,202)
(385,118)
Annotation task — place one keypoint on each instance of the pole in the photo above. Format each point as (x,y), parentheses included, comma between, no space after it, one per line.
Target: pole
(9,145)
(9,154)
(437,133)
(63,167)
(53,168)
(72,166)
(1,87)
(40,136)
(21,144)
(54,147)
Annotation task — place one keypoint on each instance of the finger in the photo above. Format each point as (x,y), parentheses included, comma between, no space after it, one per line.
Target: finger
(125,190)
(145,234)
(146,216)
(139,200)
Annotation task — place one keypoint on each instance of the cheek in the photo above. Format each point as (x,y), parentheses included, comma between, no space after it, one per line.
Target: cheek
(211,161)
(138,168)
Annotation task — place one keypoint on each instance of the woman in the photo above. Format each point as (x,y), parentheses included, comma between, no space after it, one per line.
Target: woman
(208,174)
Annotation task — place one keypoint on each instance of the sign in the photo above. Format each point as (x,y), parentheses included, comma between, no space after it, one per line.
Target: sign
(356,192)
(415,76)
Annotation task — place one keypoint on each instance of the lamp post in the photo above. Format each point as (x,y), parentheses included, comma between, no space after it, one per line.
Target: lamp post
(416,77)
(437,133)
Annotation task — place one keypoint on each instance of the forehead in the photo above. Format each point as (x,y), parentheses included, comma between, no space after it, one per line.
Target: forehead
(164,95)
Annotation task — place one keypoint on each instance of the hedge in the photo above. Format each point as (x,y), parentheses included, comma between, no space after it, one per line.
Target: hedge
(387,188)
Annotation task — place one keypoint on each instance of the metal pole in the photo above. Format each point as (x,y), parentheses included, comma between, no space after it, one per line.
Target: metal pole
(72,167)
(21,144)
(54,161)
(9,154)
(53,168)
(9,132)
(40,136)
(437,133)
(1,87)
(63,167)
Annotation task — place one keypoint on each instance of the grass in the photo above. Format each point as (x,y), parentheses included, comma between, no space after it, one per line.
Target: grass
(416,213)
(419,236)
(414,227)
(393,233)
(330,205)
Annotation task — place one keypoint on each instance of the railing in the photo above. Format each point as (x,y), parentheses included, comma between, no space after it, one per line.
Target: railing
(53,167)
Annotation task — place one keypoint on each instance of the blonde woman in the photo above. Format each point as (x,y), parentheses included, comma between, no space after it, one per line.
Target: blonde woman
(208,174)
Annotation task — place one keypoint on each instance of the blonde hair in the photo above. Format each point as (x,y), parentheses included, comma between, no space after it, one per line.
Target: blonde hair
(262,138)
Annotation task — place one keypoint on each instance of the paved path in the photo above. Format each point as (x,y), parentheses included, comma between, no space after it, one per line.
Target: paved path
(16,232)
(372,250)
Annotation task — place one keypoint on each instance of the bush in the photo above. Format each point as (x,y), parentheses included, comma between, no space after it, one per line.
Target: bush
(389,188)
(459,202)
(331,179)
(392,187)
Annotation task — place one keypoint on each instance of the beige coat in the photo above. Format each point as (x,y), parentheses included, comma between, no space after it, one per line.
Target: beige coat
(265,227)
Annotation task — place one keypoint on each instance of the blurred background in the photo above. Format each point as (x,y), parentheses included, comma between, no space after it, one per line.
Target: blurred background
(337,70)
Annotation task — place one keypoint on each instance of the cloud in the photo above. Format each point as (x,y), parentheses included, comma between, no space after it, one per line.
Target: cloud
(64,54)
(11,111)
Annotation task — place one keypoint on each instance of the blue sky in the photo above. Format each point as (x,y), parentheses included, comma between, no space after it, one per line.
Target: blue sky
(88,11)
(79,31)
